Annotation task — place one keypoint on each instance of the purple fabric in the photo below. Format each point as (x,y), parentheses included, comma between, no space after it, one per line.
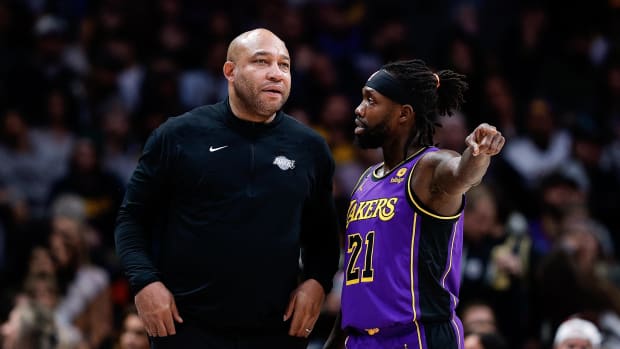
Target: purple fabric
(380,206)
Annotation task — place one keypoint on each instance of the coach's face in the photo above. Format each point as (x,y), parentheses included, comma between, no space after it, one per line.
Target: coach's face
(260,74)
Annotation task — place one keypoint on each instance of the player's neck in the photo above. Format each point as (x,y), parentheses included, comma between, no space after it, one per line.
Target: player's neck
(393,155)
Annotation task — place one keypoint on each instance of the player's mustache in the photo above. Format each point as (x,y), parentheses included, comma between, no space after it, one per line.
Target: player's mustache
(360,122)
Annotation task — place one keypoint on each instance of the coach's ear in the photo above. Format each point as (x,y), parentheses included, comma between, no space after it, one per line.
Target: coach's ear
(229,70)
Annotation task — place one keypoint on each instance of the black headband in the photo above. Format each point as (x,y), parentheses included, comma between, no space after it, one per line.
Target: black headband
(384,83)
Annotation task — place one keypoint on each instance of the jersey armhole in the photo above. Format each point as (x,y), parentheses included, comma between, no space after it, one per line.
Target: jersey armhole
(417,204)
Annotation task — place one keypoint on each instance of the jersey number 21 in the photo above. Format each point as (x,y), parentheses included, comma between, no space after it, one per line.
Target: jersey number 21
(355,243)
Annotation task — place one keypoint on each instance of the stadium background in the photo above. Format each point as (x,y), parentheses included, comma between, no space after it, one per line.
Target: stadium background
(83,83)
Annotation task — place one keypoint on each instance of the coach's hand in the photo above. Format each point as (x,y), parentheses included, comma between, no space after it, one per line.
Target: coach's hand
(157,310)
(486,140)
(305,307)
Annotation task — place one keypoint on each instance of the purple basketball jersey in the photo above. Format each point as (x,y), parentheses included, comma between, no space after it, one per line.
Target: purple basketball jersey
(402,261)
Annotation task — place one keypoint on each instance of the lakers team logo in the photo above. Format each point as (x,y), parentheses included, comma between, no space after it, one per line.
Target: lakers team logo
(400,176)
(283,163)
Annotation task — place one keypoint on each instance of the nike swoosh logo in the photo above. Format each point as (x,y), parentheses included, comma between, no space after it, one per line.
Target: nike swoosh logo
(211,149)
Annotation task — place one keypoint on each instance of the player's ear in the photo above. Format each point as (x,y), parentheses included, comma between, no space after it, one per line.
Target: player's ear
(406,113)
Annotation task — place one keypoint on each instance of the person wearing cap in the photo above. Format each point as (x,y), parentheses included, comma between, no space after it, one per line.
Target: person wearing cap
(404,227)
(577,333)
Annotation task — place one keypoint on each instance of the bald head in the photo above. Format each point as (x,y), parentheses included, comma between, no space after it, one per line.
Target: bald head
(258,70)
(251,40)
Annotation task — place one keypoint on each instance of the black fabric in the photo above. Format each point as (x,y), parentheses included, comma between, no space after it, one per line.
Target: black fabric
(384,83)
(441,335)
(220,209)
(188,336)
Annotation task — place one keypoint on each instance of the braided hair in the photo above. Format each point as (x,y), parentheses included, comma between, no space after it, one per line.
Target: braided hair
(429,94)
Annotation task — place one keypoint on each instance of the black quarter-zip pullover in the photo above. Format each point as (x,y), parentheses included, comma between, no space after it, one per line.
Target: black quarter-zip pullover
(219,208)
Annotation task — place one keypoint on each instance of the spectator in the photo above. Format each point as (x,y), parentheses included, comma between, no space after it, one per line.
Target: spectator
(55,137)
(120,149)
(101,190)
(577,333)
(485,341)
(30,326)
(568,283)
(27,167)
(85,300)
(481,230)
(43,290)
(133,334)
(478,317)
(542,148)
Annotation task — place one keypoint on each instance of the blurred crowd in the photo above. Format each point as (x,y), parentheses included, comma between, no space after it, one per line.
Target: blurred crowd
(83,83)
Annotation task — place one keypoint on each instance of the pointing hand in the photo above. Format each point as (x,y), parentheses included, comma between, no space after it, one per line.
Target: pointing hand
(486,140)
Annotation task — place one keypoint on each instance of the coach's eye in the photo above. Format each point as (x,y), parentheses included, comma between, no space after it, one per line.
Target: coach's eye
(285,66)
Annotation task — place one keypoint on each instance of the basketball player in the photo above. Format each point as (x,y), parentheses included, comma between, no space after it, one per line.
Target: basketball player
(404,224)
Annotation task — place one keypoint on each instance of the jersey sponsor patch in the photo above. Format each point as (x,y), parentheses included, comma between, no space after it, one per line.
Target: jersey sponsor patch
(399,176)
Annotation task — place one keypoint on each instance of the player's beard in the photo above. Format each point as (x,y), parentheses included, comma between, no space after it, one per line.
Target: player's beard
(373,137)
(249,95)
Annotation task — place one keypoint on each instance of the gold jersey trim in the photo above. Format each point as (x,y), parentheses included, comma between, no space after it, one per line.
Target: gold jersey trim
(376,176)
(419,206)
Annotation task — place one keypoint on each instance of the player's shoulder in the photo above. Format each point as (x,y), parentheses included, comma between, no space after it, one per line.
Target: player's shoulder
(434,155)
